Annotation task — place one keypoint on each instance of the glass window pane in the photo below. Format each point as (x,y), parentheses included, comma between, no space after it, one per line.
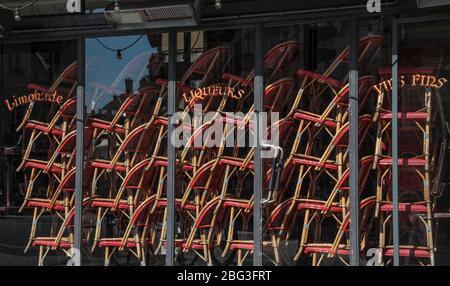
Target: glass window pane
(306,85)
(374,65)
(215,71)
(37,138)
(126,130)
(423,75)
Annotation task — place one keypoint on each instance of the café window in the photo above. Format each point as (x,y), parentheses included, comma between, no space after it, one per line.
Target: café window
(37,138)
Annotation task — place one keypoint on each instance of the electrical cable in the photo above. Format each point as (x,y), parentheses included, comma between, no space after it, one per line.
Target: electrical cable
(119,51)
(18,8)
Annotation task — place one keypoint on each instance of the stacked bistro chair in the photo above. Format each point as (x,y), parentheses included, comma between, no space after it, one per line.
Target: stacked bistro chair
(315,171)
(205,70)
(306,210)
(317,175)
(218,186)
(277,63)
(59,171)
(57,128)
(59,122)
(62,240)
(214,211)
(130,184)
(202,167)
(127,167)
(65,85)
(53,167)
(415,161)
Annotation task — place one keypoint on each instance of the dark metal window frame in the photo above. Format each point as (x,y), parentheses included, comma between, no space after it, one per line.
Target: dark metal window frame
(258,25)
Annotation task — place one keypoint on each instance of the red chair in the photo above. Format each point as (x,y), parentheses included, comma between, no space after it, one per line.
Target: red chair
(208,143)
(56,204)
(213,178)
(315,210)
(143,180)
(211,229)
(208,67)
(64,85)
(136,109)
(339,248)
(63,240)
(275,227)
(308,163)
(415,202)
(276,62)
(56,171)
(138,236)
(141,143)
(316,84)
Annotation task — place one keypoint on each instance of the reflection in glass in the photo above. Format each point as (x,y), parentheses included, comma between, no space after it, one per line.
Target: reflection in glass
(38,82)
(215,172)
(125,165)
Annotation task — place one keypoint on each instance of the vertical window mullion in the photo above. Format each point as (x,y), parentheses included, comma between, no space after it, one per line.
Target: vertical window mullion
(171,154)
(258,184)
(353,144)
(395,213)
(80,115)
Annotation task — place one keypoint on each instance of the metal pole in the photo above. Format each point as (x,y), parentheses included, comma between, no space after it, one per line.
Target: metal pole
(395,214)
(79,156)
(258,184)
(353,144)
(171,154)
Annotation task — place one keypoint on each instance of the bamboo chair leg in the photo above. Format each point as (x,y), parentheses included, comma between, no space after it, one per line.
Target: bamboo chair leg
(143,258)
(379,192)
(378,143)
(41,256)
(314,260)
(163,231)
(33,176)
(275,249)
(427,181)
(381,238)
(230,233)
(239,259)
(28,150)
(107,256)
(98,227)
(304,235)
(36,217)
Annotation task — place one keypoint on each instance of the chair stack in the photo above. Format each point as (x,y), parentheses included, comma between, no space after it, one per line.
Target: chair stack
(55,167)
(305,186)
(415,171)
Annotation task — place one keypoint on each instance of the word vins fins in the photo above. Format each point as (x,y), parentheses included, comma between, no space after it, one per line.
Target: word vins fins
(416,80)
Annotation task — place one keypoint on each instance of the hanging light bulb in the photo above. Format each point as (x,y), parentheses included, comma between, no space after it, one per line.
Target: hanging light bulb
(119,54)
(17,16)
(218,4)
(116,6)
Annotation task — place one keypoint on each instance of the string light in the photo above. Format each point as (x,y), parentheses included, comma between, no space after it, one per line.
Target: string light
(118,52)
(218,4)
(17,16)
